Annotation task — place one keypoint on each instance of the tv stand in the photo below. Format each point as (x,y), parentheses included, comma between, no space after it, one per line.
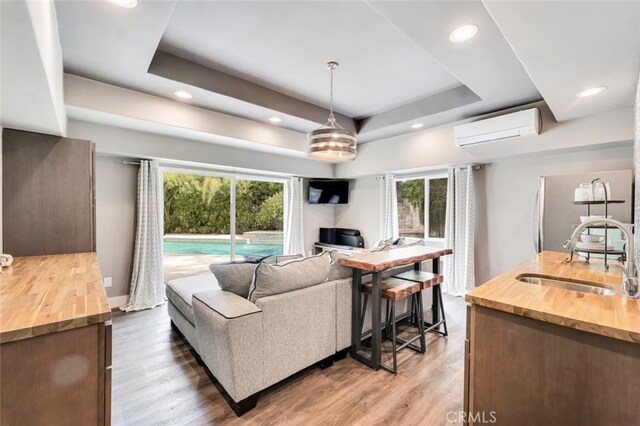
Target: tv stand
(320,247)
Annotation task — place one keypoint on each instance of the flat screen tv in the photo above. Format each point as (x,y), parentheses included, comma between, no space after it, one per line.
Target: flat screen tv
(328,192)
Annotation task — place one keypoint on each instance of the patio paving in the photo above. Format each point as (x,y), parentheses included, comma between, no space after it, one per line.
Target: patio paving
(184,265)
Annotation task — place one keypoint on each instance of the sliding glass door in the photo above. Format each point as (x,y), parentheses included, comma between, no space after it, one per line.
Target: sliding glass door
(213,218)
(259,218)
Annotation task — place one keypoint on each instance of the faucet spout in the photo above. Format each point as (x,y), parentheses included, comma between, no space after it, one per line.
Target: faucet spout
(630,286)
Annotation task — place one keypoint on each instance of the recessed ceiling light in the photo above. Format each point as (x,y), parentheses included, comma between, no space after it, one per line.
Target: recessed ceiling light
(417,125)
(591,91)
(182,94)
(463,33)
(126,3)
(275,119)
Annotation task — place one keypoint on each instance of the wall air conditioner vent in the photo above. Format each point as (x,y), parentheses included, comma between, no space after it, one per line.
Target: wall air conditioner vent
(509,126)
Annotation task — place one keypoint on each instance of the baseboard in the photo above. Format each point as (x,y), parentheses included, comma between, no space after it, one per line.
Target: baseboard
(116,302)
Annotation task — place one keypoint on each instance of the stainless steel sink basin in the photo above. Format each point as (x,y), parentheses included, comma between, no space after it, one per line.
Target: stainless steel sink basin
(575,285)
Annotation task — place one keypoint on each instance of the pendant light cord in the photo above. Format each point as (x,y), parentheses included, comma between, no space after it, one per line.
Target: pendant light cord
(332,119)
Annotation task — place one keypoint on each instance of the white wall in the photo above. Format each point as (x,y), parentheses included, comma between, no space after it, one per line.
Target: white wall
(31,62)
(122,142)
(363,210)
(315,216)
(116,186)
(435,148)
(505,193)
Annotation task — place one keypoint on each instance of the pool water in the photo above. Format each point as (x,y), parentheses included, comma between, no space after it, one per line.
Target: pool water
(220,247)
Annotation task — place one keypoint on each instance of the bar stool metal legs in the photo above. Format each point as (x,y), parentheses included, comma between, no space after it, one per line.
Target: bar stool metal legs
(415,316)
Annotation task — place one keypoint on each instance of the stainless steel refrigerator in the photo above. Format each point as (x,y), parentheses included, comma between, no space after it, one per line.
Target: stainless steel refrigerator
(555,214)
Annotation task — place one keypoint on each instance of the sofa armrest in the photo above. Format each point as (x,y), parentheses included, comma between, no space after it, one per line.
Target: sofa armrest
(230,340)
(227,304)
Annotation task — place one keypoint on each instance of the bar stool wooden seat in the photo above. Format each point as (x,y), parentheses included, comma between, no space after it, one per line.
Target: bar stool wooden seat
(394,289)
(429,280)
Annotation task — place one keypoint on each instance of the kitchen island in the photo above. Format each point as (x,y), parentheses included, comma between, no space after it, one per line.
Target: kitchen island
(545,355)
(55,342)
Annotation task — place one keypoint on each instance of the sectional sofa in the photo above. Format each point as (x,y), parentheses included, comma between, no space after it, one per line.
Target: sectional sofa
(297,313)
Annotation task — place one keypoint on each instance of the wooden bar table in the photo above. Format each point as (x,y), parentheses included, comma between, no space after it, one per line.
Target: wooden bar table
(377,263)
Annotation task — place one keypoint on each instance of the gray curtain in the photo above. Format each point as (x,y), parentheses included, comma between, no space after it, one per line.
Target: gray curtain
(147,282)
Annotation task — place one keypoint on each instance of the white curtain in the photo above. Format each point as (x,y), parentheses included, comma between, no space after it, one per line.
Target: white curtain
(459,276)
(293,221)
(388,207)
(147,283)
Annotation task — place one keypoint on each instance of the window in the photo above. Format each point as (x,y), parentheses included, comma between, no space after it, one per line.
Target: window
(213,218)
(422,207)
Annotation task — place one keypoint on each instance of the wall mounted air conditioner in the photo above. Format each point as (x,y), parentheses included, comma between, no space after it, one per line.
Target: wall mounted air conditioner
(509,126)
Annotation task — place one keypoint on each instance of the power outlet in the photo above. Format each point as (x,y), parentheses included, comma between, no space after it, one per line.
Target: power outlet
(107,282)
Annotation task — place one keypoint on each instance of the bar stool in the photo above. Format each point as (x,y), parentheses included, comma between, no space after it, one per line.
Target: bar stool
(394,289)
(429,280)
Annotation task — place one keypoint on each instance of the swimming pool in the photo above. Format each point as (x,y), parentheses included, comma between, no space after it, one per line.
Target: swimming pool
(221,247)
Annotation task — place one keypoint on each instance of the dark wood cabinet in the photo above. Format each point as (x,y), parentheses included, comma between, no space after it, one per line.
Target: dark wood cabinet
(48,194)
(521,371)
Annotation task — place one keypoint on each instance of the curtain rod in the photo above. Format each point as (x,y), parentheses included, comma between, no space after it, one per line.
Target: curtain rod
(427,173)
(131,163)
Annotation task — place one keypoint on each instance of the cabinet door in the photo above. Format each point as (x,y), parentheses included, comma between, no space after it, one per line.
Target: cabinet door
(52,379)
(48,194)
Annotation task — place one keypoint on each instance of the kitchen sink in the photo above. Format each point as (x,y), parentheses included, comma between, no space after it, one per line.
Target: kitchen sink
(575,285)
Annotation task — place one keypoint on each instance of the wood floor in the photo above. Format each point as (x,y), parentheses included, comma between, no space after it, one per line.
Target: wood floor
(156,381)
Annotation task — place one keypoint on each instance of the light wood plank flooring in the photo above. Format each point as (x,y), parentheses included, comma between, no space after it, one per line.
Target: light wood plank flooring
(156,381)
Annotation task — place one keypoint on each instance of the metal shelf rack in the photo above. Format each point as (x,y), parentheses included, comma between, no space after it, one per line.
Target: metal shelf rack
(605,251)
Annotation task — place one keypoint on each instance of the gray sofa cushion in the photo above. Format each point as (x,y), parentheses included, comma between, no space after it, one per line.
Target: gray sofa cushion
(337,271)
(234,277)
(180,291)
(289,276)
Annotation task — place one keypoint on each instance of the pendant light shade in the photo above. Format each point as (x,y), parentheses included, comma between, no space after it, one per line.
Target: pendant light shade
(332,142)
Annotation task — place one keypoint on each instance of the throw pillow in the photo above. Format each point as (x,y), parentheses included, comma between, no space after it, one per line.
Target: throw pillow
(383,243)
(410,243)
(270,279)
(234,277)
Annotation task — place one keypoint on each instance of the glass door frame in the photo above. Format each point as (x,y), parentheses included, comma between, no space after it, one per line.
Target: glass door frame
(426,177)
(233,177)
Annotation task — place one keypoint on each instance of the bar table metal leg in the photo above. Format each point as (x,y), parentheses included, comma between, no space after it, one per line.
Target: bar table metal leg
(435,312)
(356,293)
(376,308)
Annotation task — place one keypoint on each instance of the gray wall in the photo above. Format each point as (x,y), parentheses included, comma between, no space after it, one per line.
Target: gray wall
(504,197)
(116,186)
(636,157)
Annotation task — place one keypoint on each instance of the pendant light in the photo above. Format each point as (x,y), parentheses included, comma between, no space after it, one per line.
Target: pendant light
(332,142)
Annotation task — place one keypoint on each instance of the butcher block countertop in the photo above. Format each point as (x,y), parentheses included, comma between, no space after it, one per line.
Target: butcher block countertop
(46,294)
(612,316)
